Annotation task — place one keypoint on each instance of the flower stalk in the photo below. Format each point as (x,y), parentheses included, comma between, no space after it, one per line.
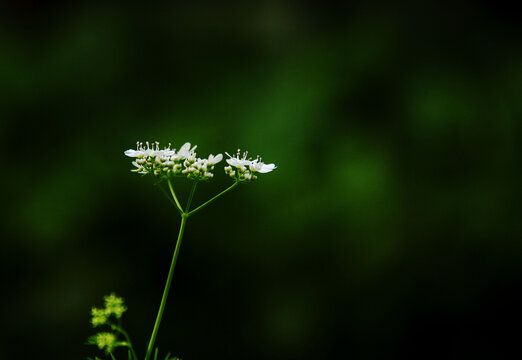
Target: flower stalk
(213,199)
(184,216)
(167,287)
(166,164)
(178,206)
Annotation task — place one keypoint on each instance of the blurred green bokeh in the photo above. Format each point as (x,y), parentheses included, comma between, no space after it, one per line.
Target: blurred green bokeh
(390,229)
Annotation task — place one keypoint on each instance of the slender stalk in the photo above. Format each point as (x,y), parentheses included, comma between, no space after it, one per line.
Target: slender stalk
(184,216)
(167,286)
(127,338)
(214,198)
(191,196)
(166,195)
(178,206)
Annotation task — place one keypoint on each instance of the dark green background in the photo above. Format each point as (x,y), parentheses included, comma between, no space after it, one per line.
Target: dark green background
(390,229)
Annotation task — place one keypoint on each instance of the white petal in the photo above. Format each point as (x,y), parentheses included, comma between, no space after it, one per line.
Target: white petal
(238,162)
(266,168)
(232,161)
(133,153)
(215,159)
(164,153)
(255,166)
(185,147)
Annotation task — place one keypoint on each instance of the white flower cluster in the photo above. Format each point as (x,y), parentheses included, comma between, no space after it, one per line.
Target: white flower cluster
(243,169)
(167,162)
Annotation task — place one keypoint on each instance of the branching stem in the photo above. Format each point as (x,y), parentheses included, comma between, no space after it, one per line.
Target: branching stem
(127,338)
(178,206)
(191,196)
(214,198)
(184,216)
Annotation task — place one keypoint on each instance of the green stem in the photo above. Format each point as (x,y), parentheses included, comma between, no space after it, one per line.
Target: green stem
(214,198)
(167,287)
(191,196)
(127,338)
(169,198)
(175,197)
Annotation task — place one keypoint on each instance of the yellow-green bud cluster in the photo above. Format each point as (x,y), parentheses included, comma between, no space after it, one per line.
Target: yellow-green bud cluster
(113,306)
(105,341)
(99,317)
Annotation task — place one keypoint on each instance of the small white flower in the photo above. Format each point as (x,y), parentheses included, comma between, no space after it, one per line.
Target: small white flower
(134,153)
(164,153)
(246,168)
(149,158)
(237,161)
(165,163)
(200,169)
(185,152)
(213,160)
(141,153)
(151,150)
(260,167)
